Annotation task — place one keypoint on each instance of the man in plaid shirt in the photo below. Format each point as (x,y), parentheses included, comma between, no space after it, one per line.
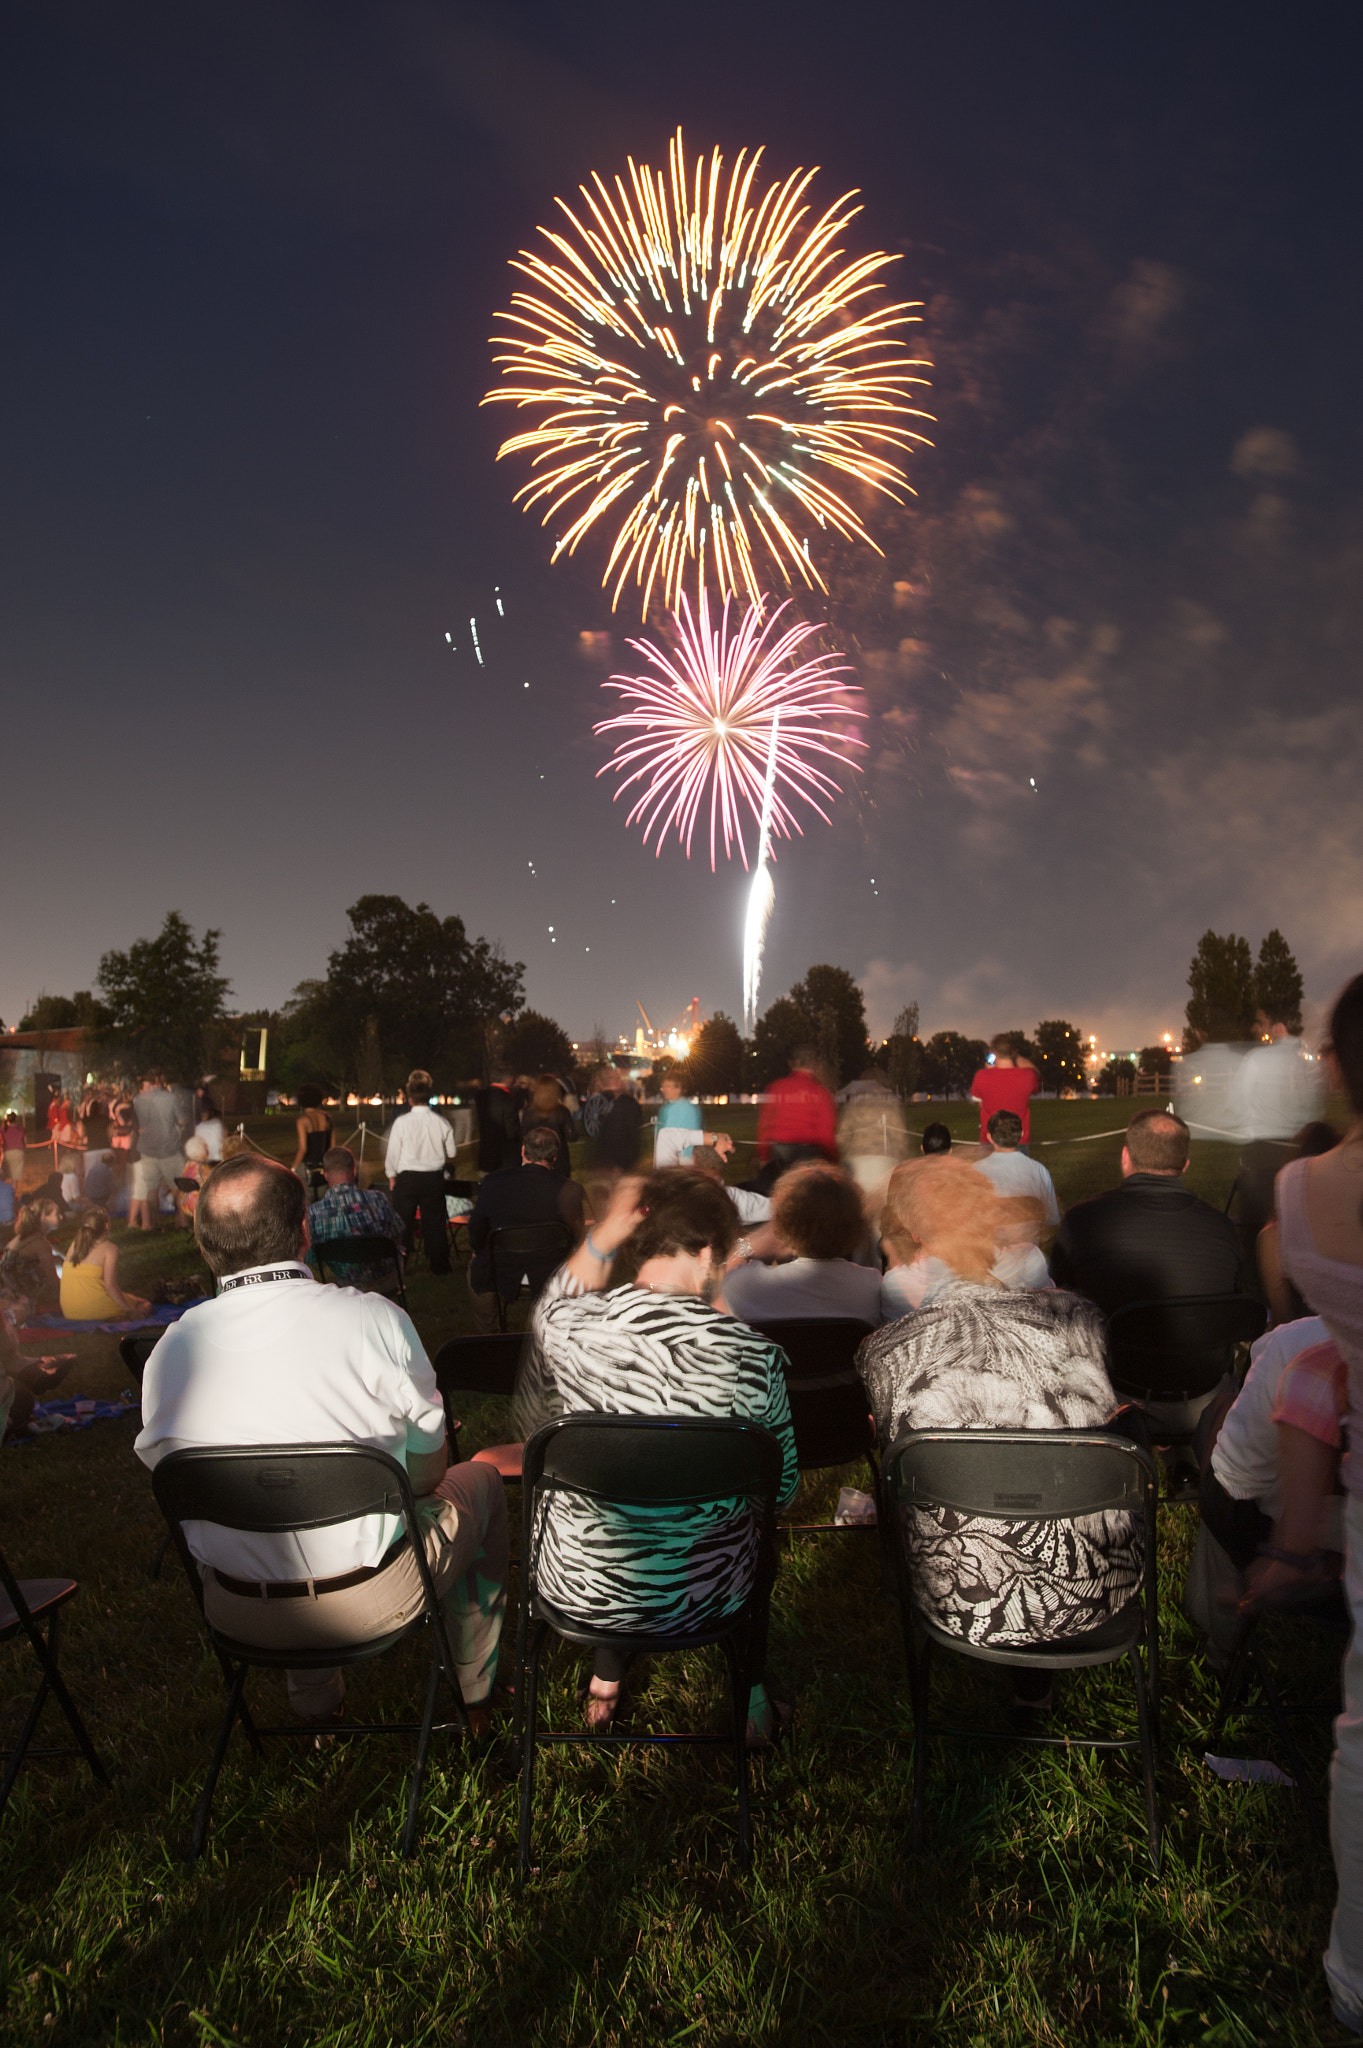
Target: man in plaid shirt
(346,1210)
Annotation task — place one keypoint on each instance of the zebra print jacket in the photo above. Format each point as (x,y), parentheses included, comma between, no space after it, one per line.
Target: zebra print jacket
(634,1352)
(997,1358)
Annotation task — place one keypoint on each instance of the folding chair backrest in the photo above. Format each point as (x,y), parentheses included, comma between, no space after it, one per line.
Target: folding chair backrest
(357,1251)
(829,1410)
(135,1351)
(530,1251)
(479,1365)
(647,1461)
(274,1489)
(1177,1350)
(1010,1475)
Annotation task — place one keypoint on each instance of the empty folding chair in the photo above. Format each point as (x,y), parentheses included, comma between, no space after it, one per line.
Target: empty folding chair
(829,1411)
(1027,1476)
(523,1257)
(32,1607)
(379,1256)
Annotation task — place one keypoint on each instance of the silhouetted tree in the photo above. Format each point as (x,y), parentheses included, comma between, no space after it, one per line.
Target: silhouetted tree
(165,997)
(1059,1055)
(1221,979)
(950,1061)
(836,1010)
(714,1065)
(1277,982)
(535,1044)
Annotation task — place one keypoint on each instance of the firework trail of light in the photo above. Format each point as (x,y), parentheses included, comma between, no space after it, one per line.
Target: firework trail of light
(703,723)
(705,369)
(762,894)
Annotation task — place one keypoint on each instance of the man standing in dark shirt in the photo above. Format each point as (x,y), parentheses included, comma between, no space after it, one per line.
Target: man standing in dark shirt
(499,1124)
(1151,1238)
(529,1193)
(617,1137)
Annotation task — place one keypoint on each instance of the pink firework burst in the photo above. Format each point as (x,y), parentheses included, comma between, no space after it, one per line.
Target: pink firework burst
(700,724)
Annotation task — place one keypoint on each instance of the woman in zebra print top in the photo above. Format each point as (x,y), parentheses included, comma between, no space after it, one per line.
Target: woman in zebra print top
(655,1346)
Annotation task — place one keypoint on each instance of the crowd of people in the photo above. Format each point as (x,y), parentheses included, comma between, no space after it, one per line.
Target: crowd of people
(983,1307)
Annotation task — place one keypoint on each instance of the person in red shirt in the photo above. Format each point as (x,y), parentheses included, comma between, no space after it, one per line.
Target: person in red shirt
(1009,1083)
(797,1119)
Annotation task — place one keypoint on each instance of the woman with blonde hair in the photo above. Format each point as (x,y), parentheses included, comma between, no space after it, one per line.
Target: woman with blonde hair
(981,1354)
(945,1224)
(90,1292)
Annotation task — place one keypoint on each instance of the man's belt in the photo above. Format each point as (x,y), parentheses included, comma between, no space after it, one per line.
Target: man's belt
(304,1589)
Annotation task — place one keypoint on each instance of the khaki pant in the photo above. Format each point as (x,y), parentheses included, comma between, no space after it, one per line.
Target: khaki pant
(465,1528)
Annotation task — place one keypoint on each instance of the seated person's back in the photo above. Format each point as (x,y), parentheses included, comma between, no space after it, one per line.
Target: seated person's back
(1011,1169)
(655,1346)
(1151,1238)
(532,1192)
(987,1357)
(348,1210)
(817,1214)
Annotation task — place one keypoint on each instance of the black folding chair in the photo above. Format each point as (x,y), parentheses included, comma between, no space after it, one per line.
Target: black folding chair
(525,1254)
(1324,1609)
(378,1255)
(621,1462)
(829,1411)
(476,1365)
(134,1352)
(1013,1476)
(33,1607)
(1178,1350)
(280,1490)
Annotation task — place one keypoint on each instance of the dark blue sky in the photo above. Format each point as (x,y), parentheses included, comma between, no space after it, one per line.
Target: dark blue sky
(251,256)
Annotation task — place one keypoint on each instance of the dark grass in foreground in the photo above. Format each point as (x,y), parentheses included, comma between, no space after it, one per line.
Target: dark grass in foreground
(1031,1915)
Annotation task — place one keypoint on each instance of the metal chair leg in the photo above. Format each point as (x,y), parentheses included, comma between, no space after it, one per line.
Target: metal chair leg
(160,1557)
(1143,1719)
(1237,1671)
(205,1806)
(422,1750)
(740,1688)
(52,1683)
(527,1681)
(1291,1749)
(920,1681)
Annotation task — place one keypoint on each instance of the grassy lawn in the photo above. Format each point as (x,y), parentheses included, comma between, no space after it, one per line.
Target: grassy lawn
(1030,1916)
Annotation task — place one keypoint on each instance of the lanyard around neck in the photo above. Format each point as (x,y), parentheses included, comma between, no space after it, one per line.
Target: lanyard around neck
(262,1278)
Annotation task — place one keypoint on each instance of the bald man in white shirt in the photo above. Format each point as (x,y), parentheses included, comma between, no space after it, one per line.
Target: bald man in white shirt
(278,1358)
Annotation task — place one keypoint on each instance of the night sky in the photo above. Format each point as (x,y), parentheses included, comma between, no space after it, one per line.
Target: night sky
(251,257)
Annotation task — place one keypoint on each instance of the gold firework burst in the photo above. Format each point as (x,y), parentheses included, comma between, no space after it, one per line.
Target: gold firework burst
(705,368)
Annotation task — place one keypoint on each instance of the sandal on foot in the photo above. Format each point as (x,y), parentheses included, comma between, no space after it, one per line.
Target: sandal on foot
(770,1732)
(600,1709)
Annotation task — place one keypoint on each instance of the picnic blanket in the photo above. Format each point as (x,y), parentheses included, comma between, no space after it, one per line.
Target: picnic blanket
(49,1417)
(155,1319)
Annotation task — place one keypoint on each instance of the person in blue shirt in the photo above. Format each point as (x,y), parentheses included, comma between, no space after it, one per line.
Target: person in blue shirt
(681,1127)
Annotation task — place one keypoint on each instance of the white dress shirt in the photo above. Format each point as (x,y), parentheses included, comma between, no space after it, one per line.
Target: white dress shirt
(419,1142)
(288,1361)
(1013,1173)
(1245,1454)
